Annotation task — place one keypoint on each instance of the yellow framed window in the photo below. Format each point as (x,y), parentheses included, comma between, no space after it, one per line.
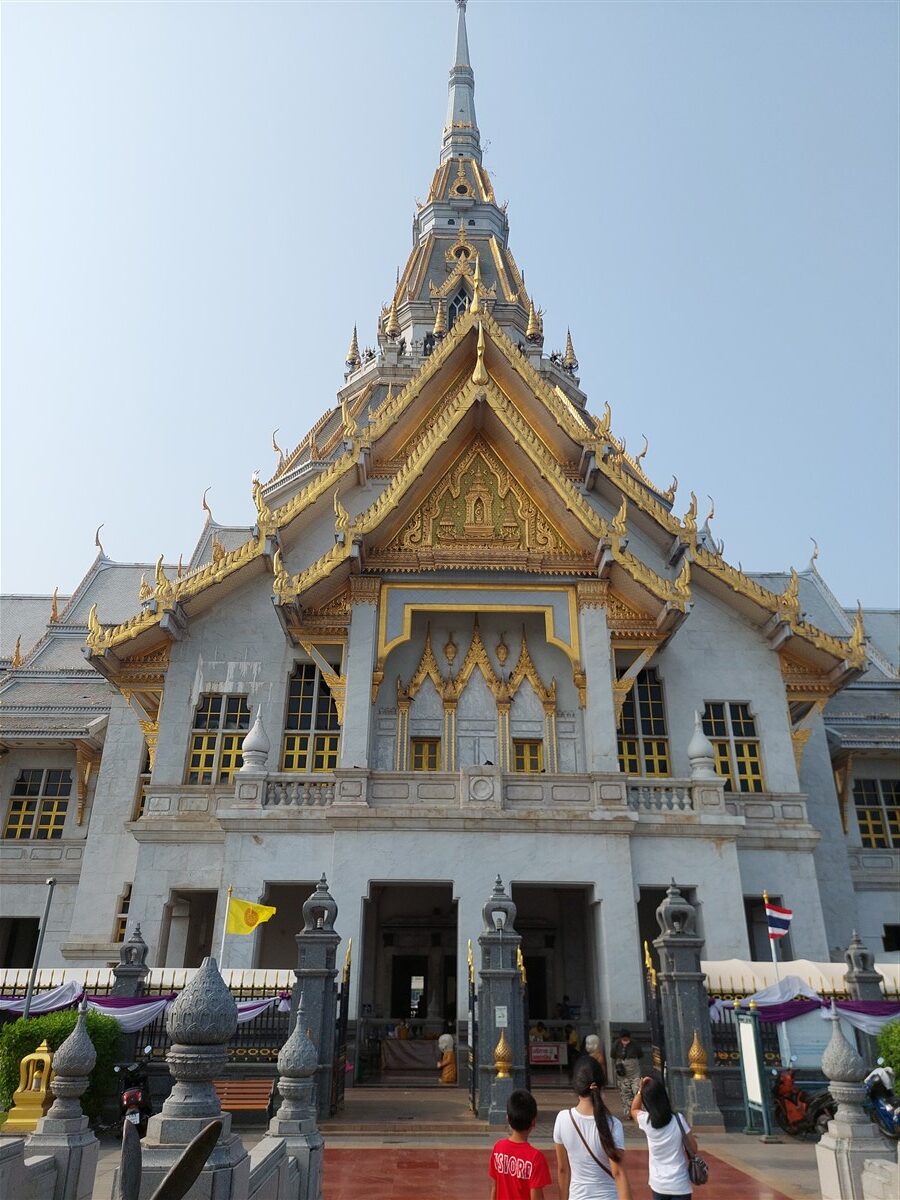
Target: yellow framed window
(643,735)
(122,914)
(312,733)
(528,755)
(325,751)
(425,754)
(877,803)
(220,725)
(38,804)
(731,728)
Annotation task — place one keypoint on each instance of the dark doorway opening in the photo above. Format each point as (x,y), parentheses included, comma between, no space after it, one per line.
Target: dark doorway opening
(409,986)
(18,940)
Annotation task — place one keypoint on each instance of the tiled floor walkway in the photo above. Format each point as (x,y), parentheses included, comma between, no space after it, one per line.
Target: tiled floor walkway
(381,1173)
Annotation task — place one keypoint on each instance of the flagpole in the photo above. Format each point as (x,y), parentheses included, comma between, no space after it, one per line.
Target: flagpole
(224,930)
(772,941)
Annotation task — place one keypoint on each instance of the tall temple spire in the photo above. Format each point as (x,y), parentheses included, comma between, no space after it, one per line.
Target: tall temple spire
(461,137)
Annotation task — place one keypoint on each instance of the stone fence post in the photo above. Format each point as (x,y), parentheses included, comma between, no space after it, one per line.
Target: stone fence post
(502,1044)
(684,1008)
(315,974)
(863,983)
(295,1120)
(131,971)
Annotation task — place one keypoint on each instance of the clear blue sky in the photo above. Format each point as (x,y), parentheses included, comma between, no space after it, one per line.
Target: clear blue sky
(199,200)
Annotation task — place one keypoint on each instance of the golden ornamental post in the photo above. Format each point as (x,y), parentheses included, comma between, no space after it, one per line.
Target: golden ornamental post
(503,1056)
(698,1060)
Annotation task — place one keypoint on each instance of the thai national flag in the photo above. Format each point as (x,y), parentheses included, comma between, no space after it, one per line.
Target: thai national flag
(779,920)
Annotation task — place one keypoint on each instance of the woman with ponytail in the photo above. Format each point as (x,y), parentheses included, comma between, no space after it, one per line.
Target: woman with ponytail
(590,1141)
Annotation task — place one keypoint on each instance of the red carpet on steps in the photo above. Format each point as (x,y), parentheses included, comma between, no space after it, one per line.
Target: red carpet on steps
(417,1173)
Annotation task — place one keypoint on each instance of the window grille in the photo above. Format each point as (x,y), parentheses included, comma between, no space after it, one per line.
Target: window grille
(643,736)
(38,805)
(731,728)
(528,755)
(425,754)
(877,803)
(312,733)
(220,724)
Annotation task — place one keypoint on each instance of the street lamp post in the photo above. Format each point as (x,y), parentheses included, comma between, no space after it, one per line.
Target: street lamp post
(51,884)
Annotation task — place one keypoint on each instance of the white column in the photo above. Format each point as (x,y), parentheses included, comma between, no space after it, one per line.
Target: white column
(600,744)
(358,672)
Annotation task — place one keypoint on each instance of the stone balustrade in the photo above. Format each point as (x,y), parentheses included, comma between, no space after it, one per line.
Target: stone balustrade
(303,791)
(660,795)
(27,861)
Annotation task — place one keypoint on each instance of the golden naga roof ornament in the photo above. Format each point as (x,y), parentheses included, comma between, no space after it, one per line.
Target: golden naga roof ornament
(54,607)
(179,571)
(278,450)
(535,330)
(95,629)
(265,518)
(689,519)
(643,453)
(712,510)
(341,516)
(617,526)
(348,425)
(17,652)
(145,591)
(480,376)
(475,306)
(97,541)
(205,507)
(164,591)
(789,600)
(218,549)
(669,493)
(602,425)
(392,323)
(281,584)
(440,319)
(857,642)
(683,579)
(815,553)
(570,362)
(353,358)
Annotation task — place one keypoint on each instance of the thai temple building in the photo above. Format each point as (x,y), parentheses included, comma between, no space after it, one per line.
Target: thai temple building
(463,633)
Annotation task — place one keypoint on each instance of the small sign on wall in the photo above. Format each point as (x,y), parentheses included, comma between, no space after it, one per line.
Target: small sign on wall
(500,1017)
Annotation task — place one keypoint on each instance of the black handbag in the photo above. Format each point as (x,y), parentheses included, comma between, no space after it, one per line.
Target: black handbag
(620,1070)
(698,1168)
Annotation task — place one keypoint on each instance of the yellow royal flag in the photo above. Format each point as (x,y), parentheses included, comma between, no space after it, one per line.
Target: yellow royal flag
(244,915)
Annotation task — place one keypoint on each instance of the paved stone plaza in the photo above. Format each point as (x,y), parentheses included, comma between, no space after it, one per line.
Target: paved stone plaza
(393,1145)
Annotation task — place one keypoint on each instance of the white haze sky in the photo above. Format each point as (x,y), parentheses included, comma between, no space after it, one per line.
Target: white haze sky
(199,200)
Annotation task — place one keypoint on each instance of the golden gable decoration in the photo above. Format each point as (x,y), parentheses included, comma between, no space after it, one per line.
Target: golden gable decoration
(479,511)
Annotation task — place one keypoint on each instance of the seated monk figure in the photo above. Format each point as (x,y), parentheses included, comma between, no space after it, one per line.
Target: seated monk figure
(447,1061)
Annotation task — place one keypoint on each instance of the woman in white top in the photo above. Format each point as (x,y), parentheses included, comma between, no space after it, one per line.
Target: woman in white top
(589,1142)
(651,1109)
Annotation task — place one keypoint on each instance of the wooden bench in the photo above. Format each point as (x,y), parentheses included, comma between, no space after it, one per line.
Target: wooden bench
(246,1095)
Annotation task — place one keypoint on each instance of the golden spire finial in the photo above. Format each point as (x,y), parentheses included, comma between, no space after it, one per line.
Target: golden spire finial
(698,1060)
(278,450)
(503,1056)
(17,652)
(643,453)
(205,506)
(440,319)
(392,324)
(480,375)
(570,362)
(534,332)
(857,641)
(617,526)
(54,607)
(475,306)
(353,357)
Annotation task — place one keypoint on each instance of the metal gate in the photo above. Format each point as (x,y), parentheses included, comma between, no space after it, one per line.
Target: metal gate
(342,1010)
(654,1014)
(472,1035)
(523,983)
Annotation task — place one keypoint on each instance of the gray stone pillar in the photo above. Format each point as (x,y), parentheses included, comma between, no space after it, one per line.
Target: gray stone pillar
(499,1000)
(316,973)
(851,1138)
(684,1007)
(863,983)
(64,1132)
(600,741)
(364,592)
(295,1120)
(131,970)
(200,1024)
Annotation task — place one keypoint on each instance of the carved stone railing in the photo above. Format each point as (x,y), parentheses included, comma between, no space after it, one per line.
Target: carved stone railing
(660,796)
(23,860)
(765,808)
(304,791)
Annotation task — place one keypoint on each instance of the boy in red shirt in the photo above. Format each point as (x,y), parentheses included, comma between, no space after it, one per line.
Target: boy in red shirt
(517,1170)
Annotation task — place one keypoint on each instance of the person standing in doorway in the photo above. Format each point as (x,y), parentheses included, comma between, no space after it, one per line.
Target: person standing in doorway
(626,1056)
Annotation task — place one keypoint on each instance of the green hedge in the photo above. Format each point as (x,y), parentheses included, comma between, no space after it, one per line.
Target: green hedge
(889,1045)
(21,1037)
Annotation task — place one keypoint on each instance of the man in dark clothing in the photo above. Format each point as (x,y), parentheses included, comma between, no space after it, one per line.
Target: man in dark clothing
(626,1056)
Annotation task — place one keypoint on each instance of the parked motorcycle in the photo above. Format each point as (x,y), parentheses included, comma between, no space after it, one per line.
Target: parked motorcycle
(135,1106)
(880,1103)
(796,1112)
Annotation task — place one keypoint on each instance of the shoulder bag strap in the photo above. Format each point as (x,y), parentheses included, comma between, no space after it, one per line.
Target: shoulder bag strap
(587,1147)
(684,1144)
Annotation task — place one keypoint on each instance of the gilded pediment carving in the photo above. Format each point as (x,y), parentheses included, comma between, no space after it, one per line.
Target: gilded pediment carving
(479,504)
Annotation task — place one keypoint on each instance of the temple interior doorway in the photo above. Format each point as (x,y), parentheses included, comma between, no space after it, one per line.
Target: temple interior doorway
(555,923)
(276,945)
(407,989)
(186,931)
